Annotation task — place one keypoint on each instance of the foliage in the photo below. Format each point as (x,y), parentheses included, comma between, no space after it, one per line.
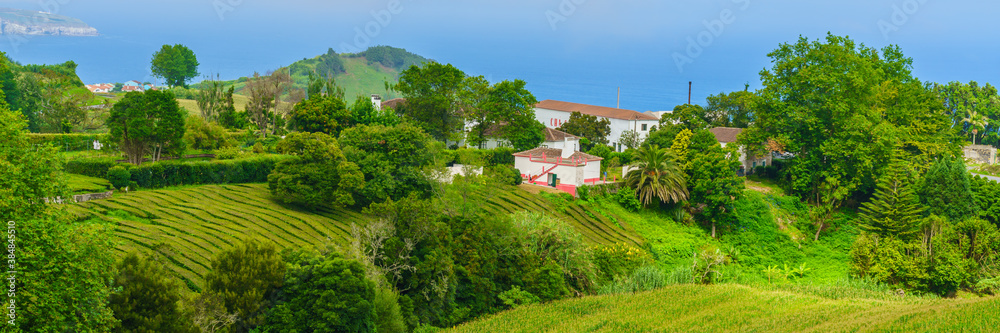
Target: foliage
(686,116)
(69,142)
(119,176)
(365,113)
(587,126)
(630,139)
(432,97)
(946,190)
(895,209)
(147,122)
(319,176)
(974,110)
(177,64)
(842,109)
(392,160)
(321,114)
(657,174)
(628,199)
(148,298)
(644,278)
(392,57)
(618,260)
(516,297)
(987,196)
(264,108)
(204,135)
(505,174)
(246,278)
(323,293)
(503,111)
(713,184)
(388,314)
(560,247)
(734,109)
(706,265)
(214,101)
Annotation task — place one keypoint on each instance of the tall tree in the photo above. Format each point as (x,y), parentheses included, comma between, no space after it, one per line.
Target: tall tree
(321,113)
(508,108)
(692,117)
(147,122)
(211,99)
(147,300)
(366,113)
(246,278)
(584,125)
(946,190)
(392,159)
(318,176)
(177,64)
(713,184)
(974,109)
(895,210)
(264,105)
(656,174)
(842,108)
(433,98)
(734,109)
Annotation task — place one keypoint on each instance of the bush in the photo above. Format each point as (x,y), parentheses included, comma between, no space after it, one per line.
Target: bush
(516,297)
(506,174)
(626,197)
(178,173)
(499,156)
(119,177)
(93,167)
(618,260)
(206,136)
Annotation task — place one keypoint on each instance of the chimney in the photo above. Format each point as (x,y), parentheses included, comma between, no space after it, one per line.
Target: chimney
(569,147)
(377,101)
(689,92)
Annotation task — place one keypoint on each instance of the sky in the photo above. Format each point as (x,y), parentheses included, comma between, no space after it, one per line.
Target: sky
(574,50)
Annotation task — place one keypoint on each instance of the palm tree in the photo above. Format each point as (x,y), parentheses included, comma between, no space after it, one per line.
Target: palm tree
(656,174)
(975,120)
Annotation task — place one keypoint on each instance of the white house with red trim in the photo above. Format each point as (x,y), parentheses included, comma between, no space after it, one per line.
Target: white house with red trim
(572,168)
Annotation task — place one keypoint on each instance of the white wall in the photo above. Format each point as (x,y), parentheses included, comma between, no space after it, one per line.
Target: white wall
(567,174)
(553,119)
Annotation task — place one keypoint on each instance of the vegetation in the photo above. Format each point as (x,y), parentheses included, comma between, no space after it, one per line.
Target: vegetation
(587,126)
(320,175)
(175,63)
(657,175)
(149,122)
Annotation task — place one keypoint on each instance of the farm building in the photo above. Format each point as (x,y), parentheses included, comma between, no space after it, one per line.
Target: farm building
(554,113)
(564,168)
(728,135)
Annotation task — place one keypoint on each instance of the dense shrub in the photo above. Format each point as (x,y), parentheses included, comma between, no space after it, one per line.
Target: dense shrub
(506,174)
(177,173)
(119,176)
(618,260)
(93,167)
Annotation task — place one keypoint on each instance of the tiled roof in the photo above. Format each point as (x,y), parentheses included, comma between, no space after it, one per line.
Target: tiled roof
(552,155)
(393,103)
(726,134)
(554,135)
(594,110)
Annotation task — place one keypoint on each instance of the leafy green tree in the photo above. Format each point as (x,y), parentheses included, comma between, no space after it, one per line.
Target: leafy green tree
(323,293)
(972,108)
(842,109)
(63,265)
(630,139)
(321,114)
(365,113)
(392,160)
(656,174)
(895,210)
(946,190)
(584,125)
(150,122)
(506,107)
(987,197)
(713,184)
(228,117)
(692,117)
(177,64)
(246,277)
(432,94)
(204,135)
(147,300)
(734,109)
(319,175)
(212,99)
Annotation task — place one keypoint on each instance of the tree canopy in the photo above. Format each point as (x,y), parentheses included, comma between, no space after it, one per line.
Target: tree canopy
(147,122)
(432,98)
(319,176)
(175,63)
(595,129)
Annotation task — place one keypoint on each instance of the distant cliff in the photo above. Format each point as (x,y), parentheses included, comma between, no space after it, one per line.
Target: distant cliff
(29,22)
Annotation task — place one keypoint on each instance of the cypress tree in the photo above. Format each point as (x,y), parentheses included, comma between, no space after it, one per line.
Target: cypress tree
(895,209)
(946,190)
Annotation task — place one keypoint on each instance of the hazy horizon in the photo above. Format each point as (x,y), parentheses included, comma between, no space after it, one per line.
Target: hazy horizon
(573,50)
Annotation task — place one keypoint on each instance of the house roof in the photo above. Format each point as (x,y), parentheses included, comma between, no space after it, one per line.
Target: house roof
(393,103)
(553,155)
(726,134)
(554,135)
(594,110)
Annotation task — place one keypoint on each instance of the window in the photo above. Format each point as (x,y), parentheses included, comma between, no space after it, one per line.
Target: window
(644,127)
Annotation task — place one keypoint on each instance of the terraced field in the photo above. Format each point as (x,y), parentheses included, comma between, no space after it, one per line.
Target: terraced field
(188,226)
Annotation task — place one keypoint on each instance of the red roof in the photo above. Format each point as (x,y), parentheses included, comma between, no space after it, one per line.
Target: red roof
(726,134)
(594,110)
(554,135)
(553,155)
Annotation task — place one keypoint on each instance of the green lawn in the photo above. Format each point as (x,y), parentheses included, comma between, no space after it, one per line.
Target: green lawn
(736,308)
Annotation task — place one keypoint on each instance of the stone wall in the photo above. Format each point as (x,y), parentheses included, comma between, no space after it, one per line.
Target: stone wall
(981,154)
(92,196)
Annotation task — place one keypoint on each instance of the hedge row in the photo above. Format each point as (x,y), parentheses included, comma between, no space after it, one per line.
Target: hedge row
(175,173)
(490,157)
(72,141)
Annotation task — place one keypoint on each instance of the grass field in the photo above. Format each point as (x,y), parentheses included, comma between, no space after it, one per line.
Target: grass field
(736,308)
(187,226)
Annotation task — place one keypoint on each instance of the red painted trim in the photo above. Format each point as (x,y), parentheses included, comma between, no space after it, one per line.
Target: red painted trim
(592,180)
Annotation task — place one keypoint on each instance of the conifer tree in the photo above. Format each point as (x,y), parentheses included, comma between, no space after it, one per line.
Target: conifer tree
(895,209)
(946,190)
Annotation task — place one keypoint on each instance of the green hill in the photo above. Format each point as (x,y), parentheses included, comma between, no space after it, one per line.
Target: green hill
(187,226)
(360,74)
(736,308)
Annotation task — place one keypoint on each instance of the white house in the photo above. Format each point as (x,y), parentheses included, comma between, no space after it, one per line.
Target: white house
(728,135)
(570,167)
(100,87)
(554,113)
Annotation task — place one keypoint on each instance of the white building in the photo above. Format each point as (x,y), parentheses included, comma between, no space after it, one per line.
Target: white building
(554,113)
(728,135)
(572,168)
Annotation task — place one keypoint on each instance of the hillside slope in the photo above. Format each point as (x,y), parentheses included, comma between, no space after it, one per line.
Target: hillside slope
(735,308)
(188,226)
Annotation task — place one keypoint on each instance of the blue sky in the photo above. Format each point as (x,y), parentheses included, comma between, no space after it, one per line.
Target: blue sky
(567,49)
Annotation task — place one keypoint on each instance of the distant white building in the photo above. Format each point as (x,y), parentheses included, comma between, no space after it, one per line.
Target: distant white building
(554,113)
(571,168)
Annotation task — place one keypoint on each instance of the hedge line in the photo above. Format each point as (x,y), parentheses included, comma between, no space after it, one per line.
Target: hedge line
(72,141)
(490,157)
(175,173)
